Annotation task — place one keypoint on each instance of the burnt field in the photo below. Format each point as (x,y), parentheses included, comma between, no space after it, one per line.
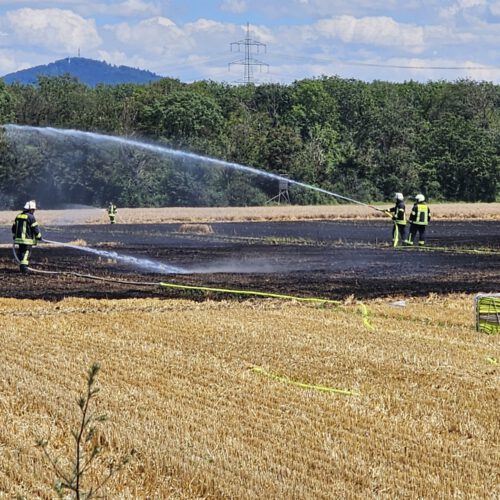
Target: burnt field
(329,259)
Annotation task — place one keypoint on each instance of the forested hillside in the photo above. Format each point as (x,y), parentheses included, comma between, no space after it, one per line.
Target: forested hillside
(362,140)
(88,71)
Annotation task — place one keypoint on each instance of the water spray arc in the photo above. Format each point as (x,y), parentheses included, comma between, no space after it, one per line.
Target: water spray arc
(145,264)
(50,131)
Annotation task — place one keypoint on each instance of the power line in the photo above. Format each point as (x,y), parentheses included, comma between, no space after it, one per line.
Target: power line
(313,59)
(248,62)
(199,64)
(304,60)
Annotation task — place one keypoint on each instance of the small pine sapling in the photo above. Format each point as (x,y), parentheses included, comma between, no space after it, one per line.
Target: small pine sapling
(87,449)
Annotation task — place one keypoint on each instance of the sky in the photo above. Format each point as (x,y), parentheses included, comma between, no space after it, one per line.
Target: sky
(389,40)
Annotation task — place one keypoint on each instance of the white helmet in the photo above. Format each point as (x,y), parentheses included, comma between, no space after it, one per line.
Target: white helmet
(30,205)
(399,196)
(420,197)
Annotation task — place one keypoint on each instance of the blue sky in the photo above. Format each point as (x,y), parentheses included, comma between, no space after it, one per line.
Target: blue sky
(388,40)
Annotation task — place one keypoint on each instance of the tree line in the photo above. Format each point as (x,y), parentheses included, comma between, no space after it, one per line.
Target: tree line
(362,140)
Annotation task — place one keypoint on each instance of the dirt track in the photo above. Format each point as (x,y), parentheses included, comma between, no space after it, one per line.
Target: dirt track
(332,259)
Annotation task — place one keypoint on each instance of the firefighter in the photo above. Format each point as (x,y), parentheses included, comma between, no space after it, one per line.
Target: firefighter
(112,213)
(398,216)
(419,219)
(26,234)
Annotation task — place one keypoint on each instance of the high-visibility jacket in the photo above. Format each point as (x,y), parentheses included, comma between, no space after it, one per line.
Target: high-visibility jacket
(25,230)
(420,214)
(399,212)
(112,210)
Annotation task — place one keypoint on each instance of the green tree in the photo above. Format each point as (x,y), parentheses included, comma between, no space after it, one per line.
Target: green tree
(186,119)
(312,106)
(460,159)
(61,102)
(6,114)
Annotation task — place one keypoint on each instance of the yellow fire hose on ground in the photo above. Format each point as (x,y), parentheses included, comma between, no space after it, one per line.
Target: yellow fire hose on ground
(251,292)
(449,250)
(317,300)
(488,313)
(287,380)
(281,378)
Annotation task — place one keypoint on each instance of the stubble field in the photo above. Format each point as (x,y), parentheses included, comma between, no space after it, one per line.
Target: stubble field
(179,388)
(81,215)
(208,394)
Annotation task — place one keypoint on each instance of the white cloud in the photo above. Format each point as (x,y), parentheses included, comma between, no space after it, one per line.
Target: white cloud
(40,3)
(126,8)
(431,69)
(12,60)
(380,31)
(234,6)
(138,7)
(262,34)
(147,34)
(120,58)
(119,8)
(468,4)
(206,26)
(55,29)
(339,5)
(495,9)
(9,62)
(323,8)
(156,36)
(393,69)
(460,6)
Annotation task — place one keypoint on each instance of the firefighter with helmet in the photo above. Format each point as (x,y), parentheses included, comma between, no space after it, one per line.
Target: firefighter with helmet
(112,213)
(26,234)
(419,219)
(398,216)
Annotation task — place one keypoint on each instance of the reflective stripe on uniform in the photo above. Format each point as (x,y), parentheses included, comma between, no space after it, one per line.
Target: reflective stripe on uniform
(400,216)
(23,234)
(420,215)
(25,260)
(24,256)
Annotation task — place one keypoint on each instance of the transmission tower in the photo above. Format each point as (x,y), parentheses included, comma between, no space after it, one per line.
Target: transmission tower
(248,62)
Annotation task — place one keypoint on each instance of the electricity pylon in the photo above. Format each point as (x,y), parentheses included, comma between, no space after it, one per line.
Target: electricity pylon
(248,62)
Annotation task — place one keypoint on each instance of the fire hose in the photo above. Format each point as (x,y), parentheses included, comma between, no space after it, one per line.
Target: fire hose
(16,258)
(363,309)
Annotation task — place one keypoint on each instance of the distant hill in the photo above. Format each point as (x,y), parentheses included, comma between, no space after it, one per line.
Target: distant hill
(87,71)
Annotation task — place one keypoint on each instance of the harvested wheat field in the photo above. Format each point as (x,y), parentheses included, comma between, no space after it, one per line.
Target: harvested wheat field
(92,215)
(205,396)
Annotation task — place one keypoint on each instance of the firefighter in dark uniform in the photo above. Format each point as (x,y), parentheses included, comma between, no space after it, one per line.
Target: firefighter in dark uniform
(112,213)
(399,218)
(26,234)
(419,219)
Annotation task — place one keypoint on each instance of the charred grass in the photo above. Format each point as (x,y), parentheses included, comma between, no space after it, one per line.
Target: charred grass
(178,388)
